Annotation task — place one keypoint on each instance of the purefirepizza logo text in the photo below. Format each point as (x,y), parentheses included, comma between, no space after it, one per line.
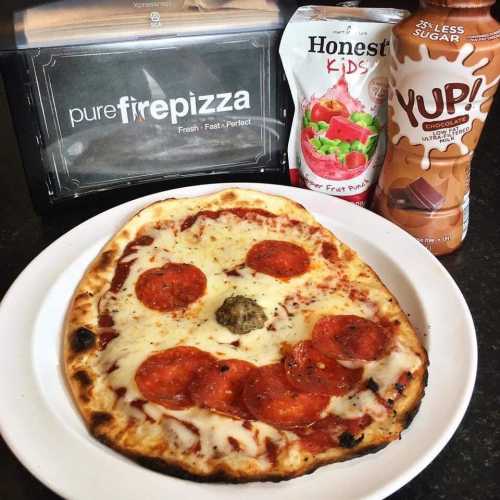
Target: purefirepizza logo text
(130,110)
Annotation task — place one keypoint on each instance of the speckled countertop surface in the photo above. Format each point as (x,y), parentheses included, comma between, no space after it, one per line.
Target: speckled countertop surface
(468,467)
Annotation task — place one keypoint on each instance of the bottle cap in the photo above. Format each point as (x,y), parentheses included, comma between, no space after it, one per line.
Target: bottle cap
(460,4)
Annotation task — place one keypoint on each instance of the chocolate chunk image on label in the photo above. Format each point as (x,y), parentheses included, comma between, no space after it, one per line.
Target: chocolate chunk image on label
(419,195)
(424,196)
(398,198)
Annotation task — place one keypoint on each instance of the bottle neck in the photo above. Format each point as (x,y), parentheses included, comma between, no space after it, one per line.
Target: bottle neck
(460,4)
(462,11)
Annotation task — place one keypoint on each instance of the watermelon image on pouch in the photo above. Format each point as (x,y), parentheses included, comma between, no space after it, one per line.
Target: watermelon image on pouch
(338,138)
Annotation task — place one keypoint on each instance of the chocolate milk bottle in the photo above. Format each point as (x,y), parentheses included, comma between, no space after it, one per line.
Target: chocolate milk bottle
(445,65)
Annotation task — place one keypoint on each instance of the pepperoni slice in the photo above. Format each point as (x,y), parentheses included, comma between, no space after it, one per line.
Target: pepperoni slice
(329,251)
(350,337)
(280,259)
(326,433)
(334,424)
(219,387)
(164,377)
(309,370)
(173,286)
(270,398)
(316,441)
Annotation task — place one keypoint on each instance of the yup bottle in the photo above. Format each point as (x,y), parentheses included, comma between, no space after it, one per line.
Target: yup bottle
(445,65)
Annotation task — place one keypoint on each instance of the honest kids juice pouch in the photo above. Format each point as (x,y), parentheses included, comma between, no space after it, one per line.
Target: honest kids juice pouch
(336,63)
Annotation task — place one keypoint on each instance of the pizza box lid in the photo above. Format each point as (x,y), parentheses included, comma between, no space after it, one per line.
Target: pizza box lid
(77,22)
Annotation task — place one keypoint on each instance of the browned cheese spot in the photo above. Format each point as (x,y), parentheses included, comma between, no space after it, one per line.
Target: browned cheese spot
(234,443)
(82,296)
(104,261)
(349,254)
(227,197)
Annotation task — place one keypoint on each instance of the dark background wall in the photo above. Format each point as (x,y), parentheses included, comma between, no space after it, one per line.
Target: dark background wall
(7,7)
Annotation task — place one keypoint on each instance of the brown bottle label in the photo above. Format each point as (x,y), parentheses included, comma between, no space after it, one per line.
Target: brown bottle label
(435,101)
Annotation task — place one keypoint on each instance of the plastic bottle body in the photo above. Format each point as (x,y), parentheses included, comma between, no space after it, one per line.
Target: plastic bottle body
(445,66)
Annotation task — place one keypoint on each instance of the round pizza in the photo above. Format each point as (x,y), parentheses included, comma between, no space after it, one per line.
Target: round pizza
(231,337)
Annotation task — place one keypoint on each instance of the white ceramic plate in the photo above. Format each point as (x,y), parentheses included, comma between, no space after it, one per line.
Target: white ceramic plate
(41,425)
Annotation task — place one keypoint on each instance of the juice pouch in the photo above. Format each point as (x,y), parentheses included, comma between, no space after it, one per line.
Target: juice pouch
(336,60)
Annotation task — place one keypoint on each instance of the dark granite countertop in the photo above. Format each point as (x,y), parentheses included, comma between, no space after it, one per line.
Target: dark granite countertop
(468,467)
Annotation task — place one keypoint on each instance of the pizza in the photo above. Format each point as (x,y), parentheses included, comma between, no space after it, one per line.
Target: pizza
(231,337)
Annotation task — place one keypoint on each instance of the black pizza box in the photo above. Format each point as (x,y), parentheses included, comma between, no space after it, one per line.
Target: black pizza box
(114,94)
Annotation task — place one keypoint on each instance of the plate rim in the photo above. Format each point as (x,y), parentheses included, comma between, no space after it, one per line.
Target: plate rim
(392,485)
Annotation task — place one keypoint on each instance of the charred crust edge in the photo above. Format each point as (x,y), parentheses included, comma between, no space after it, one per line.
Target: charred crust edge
(410,415)
(82,339)
(97,419)
(162,466)
(83,378)
(425,378)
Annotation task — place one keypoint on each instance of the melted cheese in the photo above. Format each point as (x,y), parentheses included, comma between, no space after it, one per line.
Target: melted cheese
(386,371)
(355,406)
(291,306)
(179,434)
(215,429)
(210,434)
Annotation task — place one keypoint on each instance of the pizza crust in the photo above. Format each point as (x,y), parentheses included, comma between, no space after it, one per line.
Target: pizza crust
(144,441)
